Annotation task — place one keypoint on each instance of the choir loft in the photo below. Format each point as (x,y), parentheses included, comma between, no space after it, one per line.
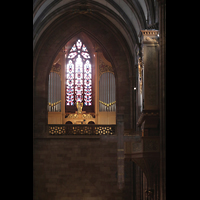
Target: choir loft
(99,100)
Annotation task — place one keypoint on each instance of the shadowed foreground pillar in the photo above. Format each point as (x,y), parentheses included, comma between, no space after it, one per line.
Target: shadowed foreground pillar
(120,148)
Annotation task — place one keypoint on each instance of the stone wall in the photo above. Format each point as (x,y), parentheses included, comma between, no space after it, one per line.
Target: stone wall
(78,169)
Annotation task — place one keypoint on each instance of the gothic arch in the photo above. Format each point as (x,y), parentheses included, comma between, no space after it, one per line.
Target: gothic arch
(56,36)
(114,13)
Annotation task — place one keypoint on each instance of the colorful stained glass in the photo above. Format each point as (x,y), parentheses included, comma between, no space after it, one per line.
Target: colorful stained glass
(70,84)
(87,83)
(78,76)
(72,55)
(79,79)
(79,44)
(84,48)
(73,48)
(85,55)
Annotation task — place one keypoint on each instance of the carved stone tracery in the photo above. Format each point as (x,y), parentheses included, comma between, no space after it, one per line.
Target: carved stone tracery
(103,67)
(56,68)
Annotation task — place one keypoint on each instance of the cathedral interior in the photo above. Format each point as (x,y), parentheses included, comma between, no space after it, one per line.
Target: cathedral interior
(99,100)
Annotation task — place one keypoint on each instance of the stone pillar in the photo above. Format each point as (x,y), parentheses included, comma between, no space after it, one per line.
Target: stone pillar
(140,85)
(149,41)
(120,147)
(131,101)
(137,91)
(148,81)
(40,99)
(148,73)
(138,183)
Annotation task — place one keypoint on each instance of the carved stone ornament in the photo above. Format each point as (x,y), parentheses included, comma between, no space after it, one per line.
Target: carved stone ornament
(149,36)
(150,39)
(87,116)
(150,32)
(103,68)
(145,114)
(72,116)
(56,68)
(84,116)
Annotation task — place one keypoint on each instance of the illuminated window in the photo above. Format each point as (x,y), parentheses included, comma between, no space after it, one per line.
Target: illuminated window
(78,76)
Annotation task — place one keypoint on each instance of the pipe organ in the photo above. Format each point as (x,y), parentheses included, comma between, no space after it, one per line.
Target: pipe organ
(104,92)
(54,93)
(107,100)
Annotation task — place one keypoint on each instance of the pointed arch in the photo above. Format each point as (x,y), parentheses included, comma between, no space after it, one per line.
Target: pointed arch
(61,32)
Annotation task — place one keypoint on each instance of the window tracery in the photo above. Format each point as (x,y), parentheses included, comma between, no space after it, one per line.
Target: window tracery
(78,75)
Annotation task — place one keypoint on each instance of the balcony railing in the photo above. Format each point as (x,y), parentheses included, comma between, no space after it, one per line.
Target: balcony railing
(81,129)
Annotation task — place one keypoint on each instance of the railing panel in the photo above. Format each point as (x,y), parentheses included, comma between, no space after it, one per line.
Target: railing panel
(89,129)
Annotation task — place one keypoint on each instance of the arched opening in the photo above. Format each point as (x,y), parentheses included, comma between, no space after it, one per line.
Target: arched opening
(101,84)
(100,39)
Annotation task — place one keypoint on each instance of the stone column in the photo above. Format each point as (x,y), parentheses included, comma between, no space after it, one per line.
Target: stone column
(131,101)
(120,147)
(137,91)
(138,182)
(148,66)
(149,41)
(40,94)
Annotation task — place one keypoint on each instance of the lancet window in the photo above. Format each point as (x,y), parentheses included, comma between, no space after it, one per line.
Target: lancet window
(78,76)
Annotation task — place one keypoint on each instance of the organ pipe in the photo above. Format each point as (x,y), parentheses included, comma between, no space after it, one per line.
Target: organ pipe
(54,92)
(107,92)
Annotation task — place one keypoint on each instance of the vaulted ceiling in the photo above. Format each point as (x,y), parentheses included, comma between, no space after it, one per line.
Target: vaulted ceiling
(128,16)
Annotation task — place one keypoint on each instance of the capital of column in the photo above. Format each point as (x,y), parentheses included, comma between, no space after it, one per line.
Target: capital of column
(149,36)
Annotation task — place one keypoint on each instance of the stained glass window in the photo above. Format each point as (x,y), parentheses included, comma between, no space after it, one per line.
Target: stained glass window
(70,84)
(78,75)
